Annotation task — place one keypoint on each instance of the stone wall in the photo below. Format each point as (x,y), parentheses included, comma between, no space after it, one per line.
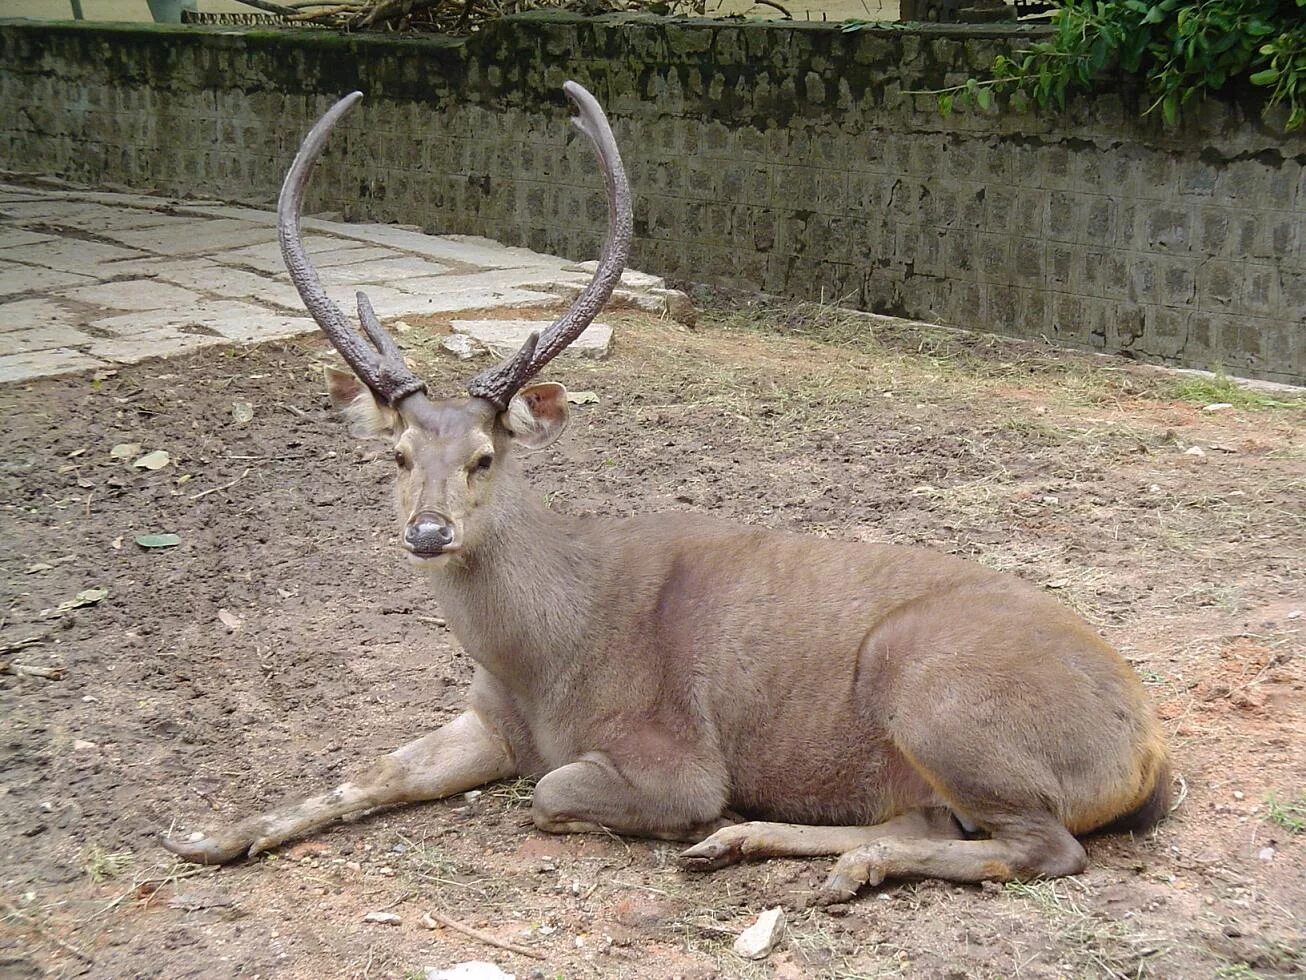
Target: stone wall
(784,157)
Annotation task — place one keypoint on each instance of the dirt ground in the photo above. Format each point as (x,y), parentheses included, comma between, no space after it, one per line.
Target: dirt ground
(284,642)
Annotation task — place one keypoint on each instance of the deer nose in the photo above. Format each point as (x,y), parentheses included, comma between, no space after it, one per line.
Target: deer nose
(428,534)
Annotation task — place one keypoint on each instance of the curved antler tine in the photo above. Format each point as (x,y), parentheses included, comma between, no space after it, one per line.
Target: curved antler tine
(387,375)
(497,386)
(381,340)
(591,121)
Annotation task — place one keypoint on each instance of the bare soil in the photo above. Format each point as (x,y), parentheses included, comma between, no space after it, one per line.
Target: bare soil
(285,642)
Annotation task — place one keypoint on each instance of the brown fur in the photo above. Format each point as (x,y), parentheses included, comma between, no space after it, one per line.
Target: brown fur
(660,673)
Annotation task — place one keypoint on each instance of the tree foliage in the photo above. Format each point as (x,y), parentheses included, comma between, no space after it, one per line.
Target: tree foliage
(1181,49)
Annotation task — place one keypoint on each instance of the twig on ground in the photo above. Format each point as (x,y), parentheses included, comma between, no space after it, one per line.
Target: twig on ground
(481,937)
(225,486)
(23,643)
(30,670)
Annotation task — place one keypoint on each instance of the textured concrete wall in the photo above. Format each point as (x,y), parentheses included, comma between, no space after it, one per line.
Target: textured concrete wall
(781,156)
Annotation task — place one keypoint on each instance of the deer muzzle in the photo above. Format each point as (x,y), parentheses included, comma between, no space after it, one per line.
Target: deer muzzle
(428,535)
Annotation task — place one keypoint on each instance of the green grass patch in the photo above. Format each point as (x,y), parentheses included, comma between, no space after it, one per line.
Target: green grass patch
(1221,390)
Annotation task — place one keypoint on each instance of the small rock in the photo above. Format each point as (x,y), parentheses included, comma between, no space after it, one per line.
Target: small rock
(426,922)
(242,413)
(460,346)
(757,941)
(471,970)
(81,745)
(382,918)
(1239,794)
(156,460)
(1265,854)
(1216,407)
(1194,451)
(471,794)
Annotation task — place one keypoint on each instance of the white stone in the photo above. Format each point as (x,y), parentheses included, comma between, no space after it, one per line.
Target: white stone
(382,918)
(134,294)
(533,278)
(503,337)
(471,970)
(70,255)
(24,367)
(15,279)
(226,283)
(324,250)
(480,252)
(215,320)
(460,300)
(461,346)
(196,237)
(380,270)
(13,237)
(25,314)
(629,278)
(46,337)
(757,941)
(145,347)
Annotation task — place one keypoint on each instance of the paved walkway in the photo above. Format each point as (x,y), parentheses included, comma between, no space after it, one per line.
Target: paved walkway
(91,280)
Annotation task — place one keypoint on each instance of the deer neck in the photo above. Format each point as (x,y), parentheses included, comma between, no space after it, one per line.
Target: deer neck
(520,599)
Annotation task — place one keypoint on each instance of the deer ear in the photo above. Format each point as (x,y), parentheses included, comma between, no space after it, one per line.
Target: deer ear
(367,418)
(537,415)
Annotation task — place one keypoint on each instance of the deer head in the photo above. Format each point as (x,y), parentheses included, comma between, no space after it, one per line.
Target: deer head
(450,453)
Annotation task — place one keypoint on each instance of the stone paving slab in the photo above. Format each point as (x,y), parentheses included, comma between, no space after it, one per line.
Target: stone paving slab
(94,279)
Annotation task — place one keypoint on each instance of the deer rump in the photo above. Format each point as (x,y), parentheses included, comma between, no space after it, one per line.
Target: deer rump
(670,675)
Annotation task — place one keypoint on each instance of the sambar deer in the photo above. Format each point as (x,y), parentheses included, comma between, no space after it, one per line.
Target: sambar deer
(669,675)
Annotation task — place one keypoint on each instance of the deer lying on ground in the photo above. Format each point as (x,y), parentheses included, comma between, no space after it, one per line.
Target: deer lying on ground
(666,676)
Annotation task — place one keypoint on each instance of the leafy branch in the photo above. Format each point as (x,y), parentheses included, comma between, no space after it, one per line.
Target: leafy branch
(1182,49)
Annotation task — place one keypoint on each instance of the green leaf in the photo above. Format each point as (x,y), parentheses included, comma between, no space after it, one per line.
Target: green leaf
(945,104)
(1267,77)
(984,98)
(1155,15)
(158,540)
(1170,108)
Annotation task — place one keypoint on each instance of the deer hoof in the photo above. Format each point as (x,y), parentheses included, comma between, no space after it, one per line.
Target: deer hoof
(852,872)
(715,852)
(207,850)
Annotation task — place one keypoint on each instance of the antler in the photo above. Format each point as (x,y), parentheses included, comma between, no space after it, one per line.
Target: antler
(499,384)
(387,375)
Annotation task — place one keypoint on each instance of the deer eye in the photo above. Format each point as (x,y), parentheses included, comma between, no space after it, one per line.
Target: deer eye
(483,463)
(402,460)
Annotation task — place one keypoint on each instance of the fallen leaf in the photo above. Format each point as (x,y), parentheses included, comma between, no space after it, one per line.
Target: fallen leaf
(117,542)
(124,450)
(582,398)
(242,412)
(158,540)
(156,460)
(87,597)
(229,620)
(40,566)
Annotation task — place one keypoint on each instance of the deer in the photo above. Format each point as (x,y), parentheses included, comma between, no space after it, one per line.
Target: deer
(750,692)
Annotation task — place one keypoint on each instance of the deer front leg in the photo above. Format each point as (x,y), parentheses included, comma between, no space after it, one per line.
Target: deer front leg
(462,755)
(594,794)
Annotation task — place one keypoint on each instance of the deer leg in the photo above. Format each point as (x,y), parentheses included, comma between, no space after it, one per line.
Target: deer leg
(461,755)
(1032,848)
(758,839)
(593,795)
